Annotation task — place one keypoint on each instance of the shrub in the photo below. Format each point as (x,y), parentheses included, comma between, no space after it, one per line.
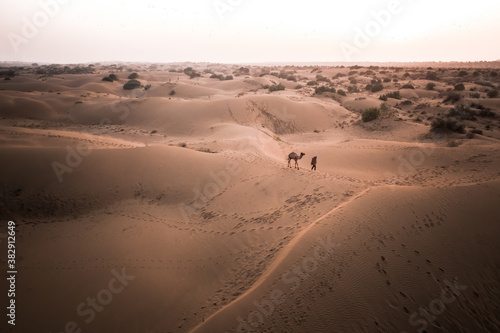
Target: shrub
(462,73)
(492,94)
(447,125)
(462,112)
(353,73)
(486,113)
(452,97)
(320,78)
(459,87)
(395,95)
(408,86)
(370,114)
(475,95)
(323,89)
(369,87)
(353,89)
(353,80)
(377,87)
(189,71)
(431,76)
(276,87)
(292,78)
(172,93)
(312,83)
(133,76)
(228,78)
(386,111)
(147,86)
(430,86)
(341,92)
(387,79)
(132,84)
(107,79)
(299,86)
(486,84)
(113,77)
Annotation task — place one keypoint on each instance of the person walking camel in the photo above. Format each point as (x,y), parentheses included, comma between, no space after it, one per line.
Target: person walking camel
(314,162)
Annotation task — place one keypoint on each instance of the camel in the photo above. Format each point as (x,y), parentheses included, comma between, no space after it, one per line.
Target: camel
(295,157)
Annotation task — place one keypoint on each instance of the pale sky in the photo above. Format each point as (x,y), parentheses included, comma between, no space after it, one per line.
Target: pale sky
(248,31)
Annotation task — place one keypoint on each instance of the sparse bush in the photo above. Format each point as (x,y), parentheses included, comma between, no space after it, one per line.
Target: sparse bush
(452,97)
(133,76)
(377,87)
(276,87)
(353,89)
(406,102)
(431,76)
(323,89)
(459,87)
(292,78)
(353,80)
(408,86)
(475,95)
(462,112)
(107,79)
(370,114)
(312,83)
(430,86)
(492,94)
(386,111)
(228,78)
(486,84)
(440,124)
(387,79)
(463,73)
(299,86)
(486,113)
(132,84)
(147,86)
(172,93)
(189,71)
(395,95)
(353,73)
(341,92)
(113,77)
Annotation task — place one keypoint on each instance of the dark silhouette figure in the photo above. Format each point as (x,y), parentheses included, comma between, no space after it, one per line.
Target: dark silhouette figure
(314,161)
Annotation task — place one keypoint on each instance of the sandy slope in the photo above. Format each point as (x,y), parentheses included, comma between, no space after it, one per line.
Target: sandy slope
(187,197)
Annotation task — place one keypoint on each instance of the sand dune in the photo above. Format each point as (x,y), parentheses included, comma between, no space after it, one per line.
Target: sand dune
(152,211)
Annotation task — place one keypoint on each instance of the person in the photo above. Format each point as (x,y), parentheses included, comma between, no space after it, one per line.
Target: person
(313,162)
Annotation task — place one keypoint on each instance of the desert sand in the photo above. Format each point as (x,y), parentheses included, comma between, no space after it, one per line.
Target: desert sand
(171,207)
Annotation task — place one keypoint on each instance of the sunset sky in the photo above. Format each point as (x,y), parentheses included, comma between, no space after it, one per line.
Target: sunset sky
(248,31)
